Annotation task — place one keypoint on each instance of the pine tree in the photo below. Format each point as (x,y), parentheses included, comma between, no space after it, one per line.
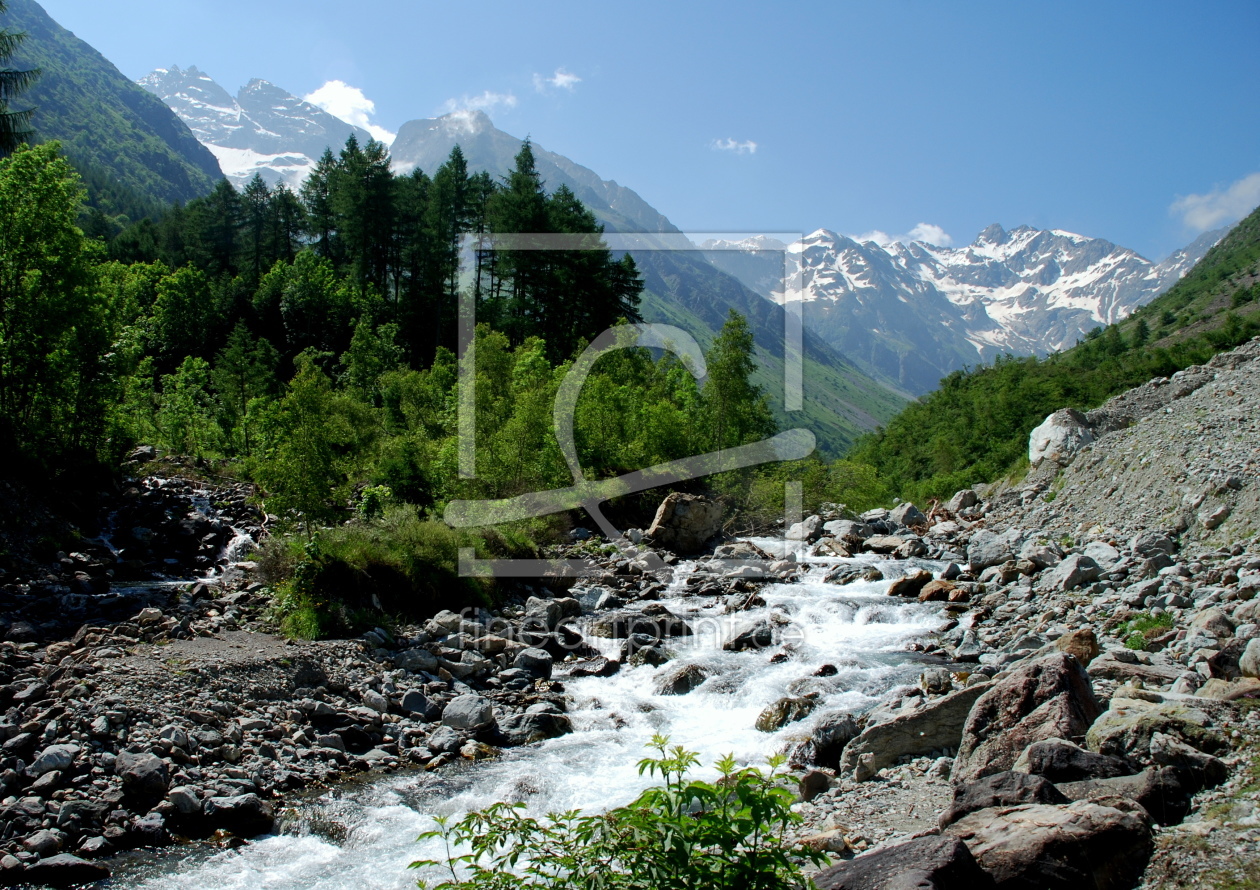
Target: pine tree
(736,409)
(15,126)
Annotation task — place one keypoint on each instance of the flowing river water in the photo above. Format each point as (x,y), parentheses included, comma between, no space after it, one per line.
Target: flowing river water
(362,836)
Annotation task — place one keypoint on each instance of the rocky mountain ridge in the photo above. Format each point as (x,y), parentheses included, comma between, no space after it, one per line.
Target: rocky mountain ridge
(263,129)
(913,312)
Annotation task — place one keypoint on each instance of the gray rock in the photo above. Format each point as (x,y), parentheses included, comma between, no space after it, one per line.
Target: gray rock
(847,531)
(417,661)
(907,514)
(1249,663)
(808,530)
(1071,573)
(826,743)
(926,863)
(43,843)
(936,725)
(54,757)
(1006,789)
(417,704)
(1059,437)
(536,662)
(64,870)
(759,636)
(375,701)
(469,713)
(1127,727)
(680,679)
(142,774)
(534,726)
(684,523)
(1058,760)
(185,800)
(962,500)
(784,711)
(1051,697)
(244,815)
(1059,847)
(1159,791)
(444,740)
(987,549)
(1149,543)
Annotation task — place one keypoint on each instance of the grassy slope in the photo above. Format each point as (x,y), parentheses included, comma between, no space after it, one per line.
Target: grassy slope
(975,427)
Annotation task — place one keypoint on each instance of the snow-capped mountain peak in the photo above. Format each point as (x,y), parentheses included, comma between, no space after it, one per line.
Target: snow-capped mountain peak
(913,311)
(264,129)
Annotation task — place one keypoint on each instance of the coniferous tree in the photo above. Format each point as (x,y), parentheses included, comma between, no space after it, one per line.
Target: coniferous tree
(15,126)
(316,197)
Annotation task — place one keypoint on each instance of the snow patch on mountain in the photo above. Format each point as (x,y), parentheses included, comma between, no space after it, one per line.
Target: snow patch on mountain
(913,311)
(262,130)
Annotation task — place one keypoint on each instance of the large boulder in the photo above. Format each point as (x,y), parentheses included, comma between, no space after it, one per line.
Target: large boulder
(1060,437)
(925,863)
(539,722)
(1071,573)
(64,870)
(535,662)
(1162,792)
(680,679)
(987,549)
(1081,845)
(468,713)
(244,814)
(808,530)
(826,743)
(1059,760)
(1009,789)
(54,757)
(1129,725)
(1050,697)
(684,523)
(143,774)
(907,514)
(936,725)
(784,711)
(654,621)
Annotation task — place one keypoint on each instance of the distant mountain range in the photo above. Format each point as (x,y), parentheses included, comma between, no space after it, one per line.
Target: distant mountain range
(912,313)
(262,130)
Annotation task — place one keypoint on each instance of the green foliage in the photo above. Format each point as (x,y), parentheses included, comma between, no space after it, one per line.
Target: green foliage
(1143,627)
(14,124)
(54,323)
(371,570)
(111,128)
(682,834)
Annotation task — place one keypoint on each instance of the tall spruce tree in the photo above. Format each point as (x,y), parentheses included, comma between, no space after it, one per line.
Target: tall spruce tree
(15,126)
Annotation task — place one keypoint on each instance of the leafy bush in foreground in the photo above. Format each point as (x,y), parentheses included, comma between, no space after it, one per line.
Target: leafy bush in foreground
(682,835)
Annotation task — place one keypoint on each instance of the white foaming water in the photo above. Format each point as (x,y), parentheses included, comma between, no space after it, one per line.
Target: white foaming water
(855,628)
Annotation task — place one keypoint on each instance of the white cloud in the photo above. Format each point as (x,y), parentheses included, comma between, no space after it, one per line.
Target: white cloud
(561,80)
(486,101)
(927,232)
(348,103)
(1219,206)
(747,147)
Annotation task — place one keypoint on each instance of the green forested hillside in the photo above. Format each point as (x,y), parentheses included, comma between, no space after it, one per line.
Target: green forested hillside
(125,141)
(975,427)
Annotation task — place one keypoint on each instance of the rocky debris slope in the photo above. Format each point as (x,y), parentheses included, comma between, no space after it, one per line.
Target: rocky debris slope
(1114,632)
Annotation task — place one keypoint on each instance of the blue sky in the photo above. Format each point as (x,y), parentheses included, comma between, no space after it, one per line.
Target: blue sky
(1137,122)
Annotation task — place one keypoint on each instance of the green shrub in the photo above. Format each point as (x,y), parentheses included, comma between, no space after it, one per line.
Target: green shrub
(684,834)
(1141,628)
(374,571)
